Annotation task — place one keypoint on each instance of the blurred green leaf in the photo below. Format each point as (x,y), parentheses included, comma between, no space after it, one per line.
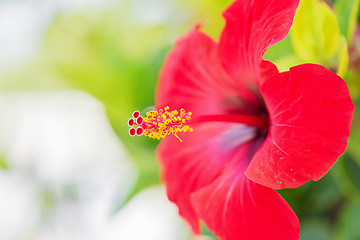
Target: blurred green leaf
(352,170)
(206,232)
(3,164)
(210,11)
(343,57)
(352,79)
(315,229)
(282,54)
(315,32)
(286,62)
(347,12)
(348,226)
(347,177)
(313,198)
(354,143)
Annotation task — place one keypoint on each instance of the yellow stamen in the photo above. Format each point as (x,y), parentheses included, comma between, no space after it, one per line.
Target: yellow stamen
(161,123)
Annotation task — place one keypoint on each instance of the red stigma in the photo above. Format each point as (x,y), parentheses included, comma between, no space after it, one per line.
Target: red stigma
(139,120)
(139,131)
(136,114)
(131,122)
(132,132)
(136,124)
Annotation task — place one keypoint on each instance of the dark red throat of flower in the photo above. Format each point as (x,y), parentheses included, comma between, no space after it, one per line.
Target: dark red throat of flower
(255,121)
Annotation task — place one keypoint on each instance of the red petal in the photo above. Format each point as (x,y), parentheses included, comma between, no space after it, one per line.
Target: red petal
(251,27)
(236,208)
(267,69)
(311,111)
(193,78)
(198,160)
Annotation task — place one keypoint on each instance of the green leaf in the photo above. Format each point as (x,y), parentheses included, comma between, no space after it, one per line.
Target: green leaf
(282,54)
(206,232)
(348,226)
(352,80)
(315,33)
(347,177)
(347,12)
(315,229)
(211,11)
(286,62)
(313,198)
(354,143)
(343,57)
(352,171)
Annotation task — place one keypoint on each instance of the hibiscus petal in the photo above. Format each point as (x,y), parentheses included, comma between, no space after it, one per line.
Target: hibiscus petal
(199,159)
(251,27)
(193,78)
(310,112)
(236,208)
(267,69)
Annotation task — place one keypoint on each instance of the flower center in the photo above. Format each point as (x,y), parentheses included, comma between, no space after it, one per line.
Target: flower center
(161,123)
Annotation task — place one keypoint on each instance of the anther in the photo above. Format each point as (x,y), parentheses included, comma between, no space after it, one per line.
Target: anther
(161,123)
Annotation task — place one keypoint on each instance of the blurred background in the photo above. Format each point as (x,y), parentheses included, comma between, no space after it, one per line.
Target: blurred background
(72,73)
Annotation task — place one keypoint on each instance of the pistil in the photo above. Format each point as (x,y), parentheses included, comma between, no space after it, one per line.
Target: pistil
(255,121)
(164,122)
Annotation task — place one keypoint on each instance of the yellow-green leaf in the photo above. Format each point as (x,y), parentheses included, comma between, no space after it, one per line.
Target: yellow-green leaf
(347,13)
(343,57)
(315,33)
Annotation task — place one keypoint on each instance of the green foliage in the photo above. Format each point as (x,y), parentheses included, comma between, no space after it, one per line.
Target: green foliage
(210,11)
(205,231)
(314,198)
(352,78)
(348,226)
(346,175)
(315,229)
(282,54)
(93,57)
(316,35)
(343,57)
(354,143)
(347,12)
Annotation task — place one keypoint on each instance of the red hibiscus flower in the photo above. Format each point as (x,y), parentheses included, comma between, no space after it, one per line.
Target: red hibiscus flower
(254,129)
